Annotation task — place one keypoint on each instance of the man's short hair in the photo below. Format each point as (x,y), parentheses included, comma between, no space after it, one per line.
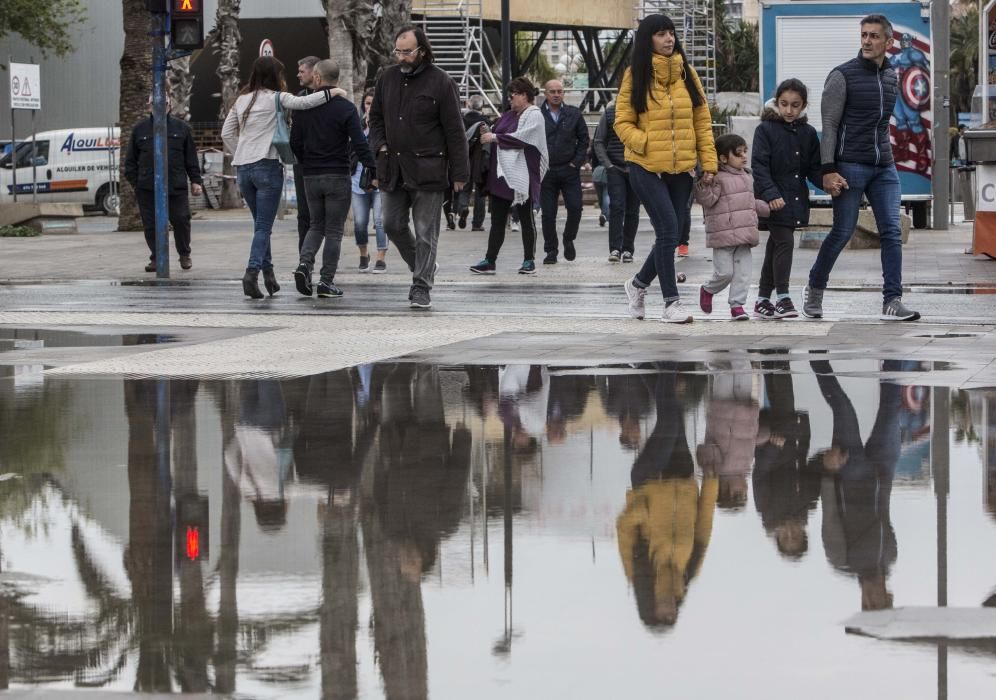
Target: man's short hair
(309,61)
(476,102)
(328,71)
(882,20)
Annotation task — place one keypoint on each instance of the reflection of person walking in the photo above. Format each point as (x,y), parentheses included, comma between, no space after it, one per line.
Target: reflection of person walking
(858,100)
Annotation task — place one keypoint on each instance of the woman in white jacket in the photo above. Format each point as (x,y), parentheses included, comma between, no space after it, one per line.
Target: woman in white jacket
(248,136)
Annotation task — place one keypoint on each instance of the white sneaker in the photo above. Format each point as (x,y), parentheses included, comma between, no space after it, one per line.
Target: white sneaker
(515,225)
(636,296)
(675,313)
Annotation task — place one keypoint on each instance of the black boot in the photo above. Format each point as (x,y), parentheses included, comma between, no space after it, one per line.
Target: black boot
(270,282)
(250,284)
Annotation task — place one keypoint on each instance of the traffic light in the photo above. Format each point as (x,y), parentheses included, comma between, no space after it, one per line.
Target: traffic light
(188,24)
(192,528)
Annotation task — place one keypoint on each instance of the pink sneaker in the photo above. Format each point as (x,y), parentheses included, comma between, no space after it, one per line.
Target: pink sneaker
(738,313)
(705,300)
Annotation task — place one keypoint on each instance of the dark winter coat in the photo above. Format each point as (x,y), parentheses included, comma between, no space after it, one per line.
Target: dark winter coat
(416,118)
(783,156)
(567,138)
(608,148)
(863,132)
(181,155)
(324,137)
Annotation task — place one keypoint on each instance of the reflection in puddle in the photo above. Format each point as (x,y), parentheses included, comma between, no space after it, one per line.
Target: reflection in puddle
(407,531)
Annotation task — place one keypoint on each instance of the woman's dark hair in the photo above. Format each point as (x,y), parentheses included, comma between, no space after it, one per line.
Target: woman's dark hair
(267,74)
(795,85)
(642,68)
(522,86)
(363,101)
(728,144)
(421,38)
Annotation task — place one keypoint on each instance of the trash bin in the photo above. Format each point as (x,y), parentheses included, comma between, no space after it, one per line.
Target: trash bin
(981,149)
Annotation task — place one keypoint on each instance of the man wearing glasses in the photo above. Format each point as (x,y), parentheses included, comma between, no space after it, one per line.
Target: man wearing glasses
(417,133)
(567,142)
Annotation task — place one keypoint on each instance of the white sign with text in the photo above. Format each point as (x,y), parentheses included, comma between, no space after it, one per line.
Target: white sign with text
(25,86)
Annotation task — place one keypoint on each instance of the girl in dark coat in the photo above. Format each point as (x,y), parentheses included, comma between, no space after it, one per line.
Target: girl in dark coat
(786,151)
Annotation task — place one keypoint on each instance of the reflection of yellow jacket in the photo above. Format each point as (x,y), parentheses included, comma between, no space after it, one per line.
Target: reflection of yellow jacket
(671,135)
(675,518)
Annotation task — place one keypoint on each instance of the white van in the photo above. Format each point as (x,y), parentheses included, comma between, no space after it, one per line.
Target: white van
(72,165)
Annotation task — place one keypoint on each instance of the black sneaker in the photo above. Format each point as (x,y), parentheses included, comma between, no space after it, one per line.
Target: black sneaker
(786,309)
(463,219)
(764,309)
(380,267)
(550,259)
(150,266)
(328,291)
(485,267)
(302,280)
(569,252)
(420,298)
(364,263)
(450,222)
(476,228)
(601,219)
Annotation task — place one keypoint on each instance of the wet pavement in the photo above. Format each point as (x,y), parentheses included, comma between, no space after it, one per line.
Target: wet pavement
(433,528)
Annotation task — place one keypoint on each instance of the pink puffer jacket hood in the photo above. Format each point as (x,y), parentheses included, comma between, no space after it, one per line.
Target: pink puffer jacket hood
(730,208)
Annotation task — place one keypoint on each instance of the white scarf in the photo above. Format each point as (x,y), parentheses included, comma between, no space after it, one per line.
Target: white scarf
(512,165)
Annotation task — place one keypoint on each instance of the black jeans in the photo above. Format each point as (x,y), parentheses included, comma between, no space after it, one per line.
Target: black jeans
(777,265)
(665,197)
(329,197)
(179,217)
(303,213)
(624,211)
(560,179)
(500,210)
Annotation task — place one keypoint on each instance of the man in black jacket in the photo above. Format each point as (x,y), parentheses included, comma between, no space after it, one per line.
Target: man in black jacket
(624,205)
(321,139)
(567,142)
(306,77)
(181,165)
(417,133)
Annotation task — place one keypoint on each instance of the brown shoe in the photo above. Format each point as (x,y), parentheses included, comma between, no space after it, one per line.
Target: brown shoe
(185,262)
(150,266)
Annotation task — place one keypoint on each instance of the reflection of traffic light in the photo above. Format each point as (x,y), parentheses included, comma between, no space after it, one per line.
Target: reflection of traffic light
(192,528)
(188,24)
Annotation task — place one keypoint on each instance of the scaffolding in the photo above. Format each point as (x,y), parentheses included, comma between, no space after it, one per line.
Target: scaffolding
(456,32)
(696,24)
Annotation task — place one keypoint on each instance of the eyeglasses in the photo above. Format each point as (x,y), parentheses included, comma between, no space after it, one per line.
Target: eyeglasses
(405,52)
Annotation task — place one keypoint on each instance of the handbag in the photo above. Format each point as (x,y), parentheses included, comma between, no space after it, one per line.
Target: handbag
(366,178)
(281,135)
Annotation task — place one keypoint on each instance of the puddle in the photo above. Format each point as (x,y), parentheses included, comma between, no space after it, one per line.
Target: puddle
(413,531)
(38,339)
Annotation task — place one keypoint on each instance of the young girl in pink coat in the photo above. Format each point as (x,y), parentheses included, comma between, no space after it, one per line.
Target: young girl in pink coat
(731,213)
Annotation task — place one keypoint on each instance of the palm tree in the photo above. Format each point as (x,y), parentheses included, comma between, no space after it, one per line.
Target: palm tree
(964,60)
(737,57)
(181,85)
(136,84)
(341,49)
(225,40)
(361,38)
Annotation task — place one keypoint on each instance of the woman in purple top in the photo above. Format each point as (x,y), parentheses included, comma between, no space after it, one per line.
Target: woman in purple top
(518,163)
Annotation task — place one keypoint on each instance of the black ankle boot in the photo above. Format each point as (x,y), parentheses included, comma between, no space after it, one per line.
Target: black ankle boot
(250,284)
(270,282)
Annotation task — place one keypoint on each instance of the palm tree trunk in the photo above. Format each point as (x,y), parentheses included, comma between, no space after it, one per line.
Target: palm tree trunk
(136,85)
(341,51)
(225,40)
(181,85)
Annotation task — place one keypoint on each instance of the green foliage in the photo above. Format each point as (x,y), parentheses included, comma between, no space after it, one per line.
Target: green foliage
(46,24)
(964,59)
(737,57)
(18,232)
(541,70)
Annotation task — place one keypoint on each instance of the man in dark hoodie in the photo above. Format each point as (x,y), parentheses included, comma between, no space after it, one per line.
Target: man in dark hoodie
(321,138)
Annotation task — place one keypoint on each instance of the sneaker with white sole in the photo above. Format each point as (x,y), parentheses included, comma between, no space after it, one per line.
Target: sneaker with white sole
(676,313)
(379,268)
(614,256)
(627,257)
(420,298)
(812,302)
(637,300)
(895,310)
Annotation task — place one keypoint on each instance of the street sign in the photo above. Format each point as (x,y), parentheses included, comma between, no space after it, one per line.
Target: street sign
(266,48)
(25,86)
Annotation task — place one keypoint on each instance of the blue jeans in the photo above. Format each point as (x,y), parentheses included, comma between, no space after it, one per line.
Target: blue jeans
(363,204)
(881,185)
(665,197)
(261,184)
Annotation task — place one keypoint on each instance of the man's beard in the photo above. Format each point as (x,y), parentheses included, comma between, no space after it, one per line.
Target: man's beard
(409,68)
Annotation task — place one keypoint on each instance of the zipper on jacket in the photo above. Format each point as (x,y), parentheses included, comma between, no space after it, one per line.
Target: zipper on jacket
(674,135)
(881,113)
(843,133)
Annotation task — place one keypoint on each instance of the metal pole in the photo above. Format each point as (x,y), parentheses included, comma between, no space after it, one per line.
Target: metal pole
(506,52)
(160,26)
(940,33)
(34,165)
(13,143)
(940,463)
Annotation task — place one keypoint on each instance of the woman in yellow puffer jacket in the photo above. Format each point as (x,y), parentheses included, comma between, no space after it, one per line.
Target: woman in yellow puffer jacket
(663,120)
